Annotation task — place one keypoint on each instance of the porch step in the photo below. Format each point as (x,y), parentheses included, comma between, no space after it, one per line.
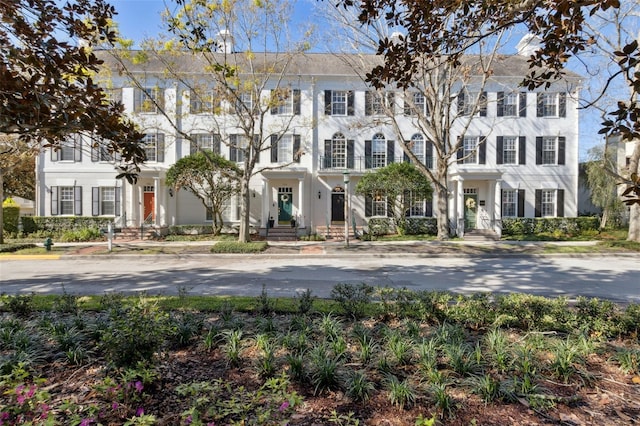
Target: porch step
(334,232)
(480,235)
(133,233)
(282,233)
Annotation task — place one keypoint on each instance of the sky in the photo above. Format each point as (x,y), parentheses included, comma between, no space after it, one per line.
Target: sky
(139,19)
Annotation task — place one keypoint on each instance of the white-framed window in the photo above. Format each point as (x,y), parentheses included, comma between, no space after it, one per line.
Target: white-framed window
(339,151)
(415,104)
(204,141)
(154,147)
(377,103)
(147,100)
(285,149)
(379,207)
(510,104)
(244,103)
(286,101)
(510,150)
(509,202)
(549,104)
(339,102)
(70,149)
(548,203)
(67,200)
(417,145)
(201,103)
(416,206)
(549,144)
(105,201)
(470,150)
(238,147)
(472,103)
(378,151)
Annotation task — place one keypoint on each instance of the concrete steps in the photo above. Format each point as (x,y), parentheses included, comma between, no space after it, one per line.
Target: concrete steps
(480,235)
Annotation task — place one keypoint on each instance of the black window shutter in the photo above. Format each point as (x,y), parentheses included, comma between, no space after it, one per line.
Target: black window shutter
(407,106)
(502,202)
(500,105)
(216,143)
(54,154)
(255,147)
(562,148)
(276,102)
(367,154)
(483,104)
(560,203)
(429,151)
(160,148)
(522,104)
(368,103)
(390,152)
(522,150)
(95,151)
(391,101)
(233,148)
(499,148)
(538,204)
(296,148)
(520,202)
(77,144)
(460,154)
(77,198)
(327,102)
(368,205)
(389,206)
(327,153)
(562,104)
(117,203)
(193,145)
(350,153)
(95,201)
(538,149)
(461,103)
(54,201)
(429,208)
(482,148)
(274,148)
(405,157)
(296,102)
(404,203)
(351,103)
(539,106)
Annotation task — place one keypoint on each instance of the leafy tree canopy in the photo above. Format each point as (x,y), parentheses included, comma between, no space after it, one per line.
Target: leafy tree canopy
(46,85)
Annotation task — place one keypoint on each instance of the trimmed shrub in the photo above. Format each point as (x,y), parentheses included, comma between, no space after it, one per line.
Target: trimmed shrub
(552,225)
(57,225)
(11,215)
(237,247)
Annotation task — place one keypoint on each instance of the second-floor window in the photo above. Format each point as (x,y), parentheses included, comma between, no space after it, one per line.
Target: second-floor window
(100,152)
(285,148)
(511,150)
(244,103)
(473,150)
(285,101)
(338,102)
(550,150)
(472,103)
(154,147)
(205,142)
(70,149)
(415,104)
(512,104)
(551,104)
(378,103)
(378,151)
(202,102)
(147,100)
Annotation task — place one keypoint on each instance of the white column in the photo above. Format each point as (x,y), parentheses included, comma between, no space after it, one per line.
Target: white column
(460,208)
(156,200)
(301,204)
(497,195)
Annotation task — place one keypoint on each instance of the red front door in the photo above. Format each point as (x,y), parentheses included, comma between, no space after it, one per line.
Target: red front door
(149,202)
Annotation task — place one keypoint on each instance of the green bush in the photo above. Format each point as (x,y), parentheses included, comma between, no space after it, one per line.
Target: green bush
(421,226)
(79,235)
(553,225)
(29,225)
(380,226)
(11,248)
(237,247)
(56,226)
(11,215)
(353,299)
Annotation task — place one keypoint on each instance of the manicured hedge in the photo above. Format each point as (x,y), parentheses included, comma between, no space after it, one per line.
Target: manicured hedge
(11,215)
(564,225)
(61,224)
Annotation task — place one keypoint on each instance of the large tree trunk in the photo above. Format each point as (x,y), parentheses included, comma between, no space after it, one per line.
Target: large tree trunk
(634,211)
(442,206)
(244,235)
(1,209)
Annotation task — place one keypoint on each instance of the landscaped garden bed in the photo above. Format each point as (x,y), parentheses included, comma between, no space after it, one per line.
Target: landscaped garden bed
(374,356)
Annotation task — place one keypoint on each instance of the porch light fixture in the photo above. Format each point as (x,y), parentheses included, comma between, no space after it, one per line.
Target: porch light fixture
(319,195)
(345,178)
(170,192)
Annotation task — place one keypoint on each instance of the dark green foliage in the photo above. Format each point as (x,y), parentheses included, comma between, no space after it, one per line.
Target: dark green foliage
(305,301)
(11,248)
(19,304)
(561,225)
(57,225)
(265,304)
(238,247)
(353,298)
(184,326)
(10,215)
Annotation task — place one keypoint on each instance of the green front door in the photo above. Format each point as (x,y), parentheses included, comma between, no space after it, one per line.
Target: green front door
(470,211)
(285,207)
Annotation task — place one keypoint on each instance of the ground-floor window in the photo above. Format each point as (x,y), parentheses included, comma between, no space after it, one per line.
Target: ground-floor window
(509,203)
(548,200)
(66,200)
(105,201)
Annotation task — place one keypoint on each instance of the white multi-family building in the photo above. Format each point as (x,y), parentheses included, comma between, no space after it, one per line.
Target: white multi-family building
(519,155)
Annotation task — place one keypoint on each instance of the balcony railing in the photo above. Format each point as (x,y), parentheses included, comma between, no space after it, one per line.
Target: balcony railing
(358,164)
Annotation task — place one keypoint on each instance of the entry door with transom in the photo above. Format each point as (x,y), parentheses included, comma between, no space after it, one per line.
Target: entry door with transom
(285,205)
(470,208)
(149,203)
(337,205)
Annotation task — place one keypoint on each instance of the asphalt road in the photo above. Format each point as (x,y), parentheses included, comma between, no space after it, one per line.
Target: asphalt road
(615,277)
